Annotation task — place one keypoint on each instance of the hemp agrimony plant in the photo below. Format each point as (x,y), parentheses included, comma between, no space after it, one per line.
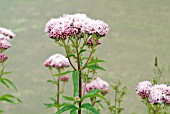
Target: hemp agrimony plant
(155,96)
(79,36)
(5,37)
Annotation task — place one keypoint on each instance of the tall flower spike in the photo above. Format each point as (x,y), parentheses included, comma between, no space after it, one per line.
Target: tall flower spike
(98,83)
(57,61)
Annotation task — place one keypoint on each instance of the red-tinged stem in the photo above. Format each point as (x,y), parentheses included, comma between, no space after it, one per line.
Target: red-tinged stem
(88,59)
(68,56)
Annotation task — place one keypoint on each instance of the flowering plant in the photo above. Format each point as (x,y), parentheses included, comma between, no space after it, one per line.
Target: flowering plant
(79,36)
(155,96)
(5,37)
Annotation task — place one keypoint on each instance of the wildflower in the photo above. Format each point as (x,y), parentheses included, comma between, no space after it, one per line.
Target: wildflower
(4,44)
(143,89)
(69,25)
(98,83)
(3,57)
(57,61)
(64,78)
(7,32)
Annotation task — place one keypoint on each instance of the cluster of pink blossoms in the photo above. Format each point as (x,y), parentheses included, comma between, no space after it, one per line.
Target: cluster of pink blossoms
(154,93)
(69,25)
(99,84)
(64,78)
(5,36)
(57,61)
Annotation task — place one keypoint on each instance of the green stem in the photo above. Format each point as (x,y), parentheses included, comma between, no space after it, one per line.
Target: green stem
(115,102)
(2,70)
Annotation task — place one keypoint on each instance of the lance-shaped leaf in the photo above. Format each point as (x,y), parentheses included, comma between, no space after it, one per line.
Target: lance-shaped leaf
(73,111)
(75,79)
(93,93)
(95,67)
(10,98)
(63,73)
(7,82)
(89,107)
(95,61)
(68,98)
(65,108)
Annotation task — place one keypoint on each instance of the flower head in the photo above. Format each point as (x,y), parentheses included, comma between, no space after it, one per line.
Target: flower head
(143,89)
(4,44)
(98,83)
(3,57)
(159,94)
(57,61)
(7,32)
(69,25)
(64,78)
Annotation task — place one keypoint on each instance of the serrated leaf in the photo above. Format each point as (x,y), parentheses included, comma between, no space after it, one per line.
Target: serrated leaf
(65,108)
(95,67)
(75,79)
(68,98)
(63,73)
(89,107)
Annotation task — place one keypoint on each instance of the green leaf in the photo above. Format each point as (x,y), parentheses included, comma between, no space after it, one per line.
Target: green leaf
(51,105)
(75,79)
(1,111)
(95,67)
(6,81)
(63,73)
(7,72)
(93,93)
(81,51)
(89,107)
(71,55)
(95,61)
(73,111)
(9,98)
(68,98)
(65,108)
(51,81)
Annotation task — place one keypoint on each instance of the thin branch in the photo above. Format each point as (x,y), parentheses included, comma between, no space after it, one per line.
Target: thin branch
(68,56)
(88,59)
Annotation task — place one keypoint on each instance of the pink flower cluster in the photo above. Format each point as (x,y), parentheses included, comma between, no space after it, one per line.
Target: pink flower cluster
(3,57)
(5,37)
(155,93)
(64,78)
(69,25)
(57,61)
(92,41)
(98,83)
(143,89)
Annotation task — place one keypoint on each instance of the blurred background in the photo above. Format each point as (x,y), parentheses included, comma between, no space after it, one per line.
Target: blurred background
(140,30)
